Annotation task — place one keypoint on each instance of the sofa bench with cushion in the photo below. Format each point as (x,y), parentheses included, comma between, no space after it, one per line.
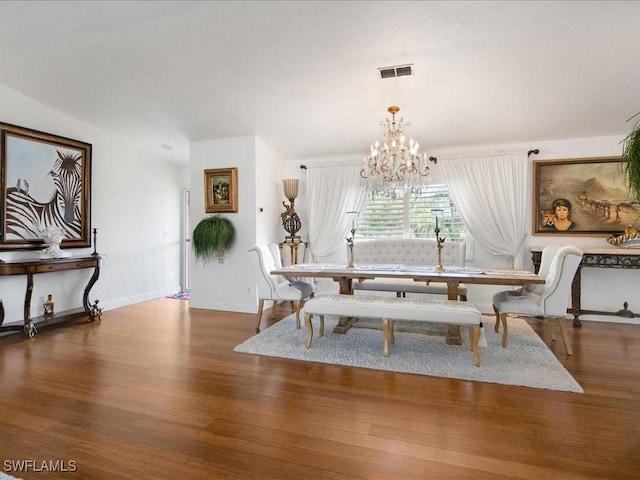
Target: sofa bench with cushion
(389,309)
(407,251)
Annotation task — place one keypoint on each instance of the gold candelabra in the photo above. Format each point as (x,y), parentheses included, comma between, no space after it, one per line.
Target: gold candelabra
(440,240)
(350,240)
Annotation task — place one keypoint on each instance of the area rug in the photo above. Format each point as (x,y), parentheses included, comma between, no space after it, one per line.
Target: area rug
(526,361)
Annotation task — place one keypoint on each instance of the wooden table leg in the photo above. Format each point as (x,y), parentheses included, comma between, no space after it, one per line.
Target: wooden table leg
(346,288)
(453,331)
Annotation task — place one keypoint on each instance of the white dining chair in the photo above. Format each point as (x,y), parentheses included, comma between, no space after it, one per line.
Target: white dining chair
(548,253)
(275,287)
(551,302)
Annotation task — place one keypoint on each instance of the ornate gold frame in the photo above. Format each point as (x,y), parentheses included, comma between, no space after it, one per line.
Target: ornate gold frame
(596,190)
(221,190)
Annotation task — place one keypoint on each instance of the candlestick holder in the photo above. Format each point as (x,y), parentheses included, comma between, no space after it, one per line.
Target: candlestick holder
(350,247)
(95,243)
(440,241)
(350,239)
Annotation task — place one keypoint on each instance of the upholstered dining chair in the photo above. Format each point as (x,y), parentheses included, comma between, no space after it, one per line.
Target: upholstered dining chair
(551,302)
(275,287)
(548,253)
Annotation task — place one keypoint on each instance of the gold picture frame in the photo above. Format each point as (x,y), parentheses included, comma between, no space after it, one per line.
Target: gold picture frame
(221,190)
(592,191)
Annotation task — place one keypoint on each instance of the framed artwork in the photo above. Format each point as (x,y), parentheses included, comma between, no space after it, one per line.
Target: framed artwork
(221,190)
(46,181)
(583,196)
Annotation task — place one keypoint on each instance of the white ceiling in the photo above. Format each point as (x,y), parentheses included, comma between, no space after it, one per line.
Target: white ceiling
(303,75)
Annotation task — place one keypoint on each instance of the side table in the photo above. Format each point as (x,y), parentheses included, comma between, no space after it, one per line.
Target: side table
(293,248)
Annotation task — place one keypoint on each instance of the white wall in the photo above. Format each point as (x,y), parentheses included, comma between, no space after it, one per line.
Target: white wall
(269,194)
(214,285)
(135,205)
(231,285)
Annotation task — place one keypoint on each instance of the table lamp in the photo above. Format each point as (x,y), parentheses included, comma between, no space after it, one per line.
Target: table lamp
(290,220)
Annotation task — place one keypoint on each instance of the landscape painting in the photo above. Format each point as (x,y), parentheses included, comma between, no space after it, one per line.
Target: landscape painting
(586,196)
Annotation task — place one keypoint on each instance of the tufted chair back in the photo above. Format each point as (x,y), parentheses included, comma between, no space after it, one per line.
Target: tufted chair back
(548,253)
(265,259)
(563,267)
(551,303)
(263,262)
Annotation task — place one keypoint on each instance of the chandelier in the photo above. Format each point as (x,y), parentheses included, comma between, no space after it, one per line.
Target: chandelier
(395,165)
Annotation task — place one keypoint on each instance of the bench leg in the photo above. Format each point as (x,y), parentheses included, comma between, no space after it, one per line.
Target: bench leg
(392,337)
(307,322)
(385,336)
(475,337)
(321,325)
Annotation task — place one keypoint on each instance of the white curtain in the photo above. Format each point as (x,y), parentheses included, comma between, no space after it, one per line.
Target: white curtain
(332,191)
(490,191)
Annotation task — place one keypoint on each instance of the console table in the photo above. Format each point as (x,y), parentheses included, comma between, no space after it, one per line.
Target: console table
(35,266)
(598,257)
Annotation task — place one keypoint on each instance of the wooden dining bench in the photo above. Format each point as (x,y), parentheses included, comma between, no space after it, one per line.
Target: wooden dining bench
(389,309)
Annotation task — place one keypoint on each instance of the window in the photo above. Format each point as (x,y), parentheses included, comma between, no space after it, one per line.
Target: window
(412,215)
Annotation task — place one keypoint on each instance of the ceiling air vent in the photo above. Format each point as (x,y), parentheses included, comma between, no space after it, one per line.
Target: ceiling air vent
(399,71)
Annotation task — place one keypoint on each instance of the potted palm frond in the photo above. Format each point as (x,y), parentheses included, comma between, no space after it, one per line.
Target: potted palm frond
(630,168)
(631,159)
(212,238)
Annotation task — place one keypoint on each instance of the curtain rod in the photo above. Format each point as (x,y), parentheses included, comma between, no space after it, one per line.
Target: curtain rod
(535,151)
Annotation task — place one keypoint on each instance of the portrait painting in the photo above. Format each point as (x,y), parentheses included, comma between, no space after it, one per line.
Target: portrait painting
(45,183)
(585,196)
(221,190)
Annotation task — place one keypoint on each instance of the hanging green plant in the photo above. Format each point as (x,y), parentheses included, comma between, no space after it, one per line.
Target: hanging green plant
(212,238)
(631,159)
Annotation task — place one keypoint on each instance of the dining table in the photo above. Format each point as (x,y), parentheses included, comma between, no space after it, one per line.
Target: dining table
(453,276)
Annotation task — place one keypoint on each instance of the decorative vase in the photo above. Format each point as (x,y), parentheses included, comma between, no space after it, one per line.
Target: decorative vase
(52,236)
(48,305)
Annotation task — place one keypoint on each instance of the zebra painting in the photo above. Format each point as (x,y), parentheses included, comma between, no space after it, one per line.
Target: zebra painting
(25,215)
(46,183)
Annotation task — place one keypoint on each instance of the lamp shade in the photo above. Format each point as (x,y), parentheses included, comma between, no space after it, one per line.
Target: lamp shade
(290,186)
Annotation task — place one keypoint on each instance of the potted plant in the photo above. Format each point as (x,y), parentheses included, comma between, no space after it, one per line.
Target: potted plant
(631,159)
(212,238)
(630,167)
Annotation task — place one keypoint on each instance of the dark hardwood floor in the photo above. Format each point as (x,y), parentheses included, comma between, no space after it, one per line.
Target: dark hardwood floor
(155,391)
